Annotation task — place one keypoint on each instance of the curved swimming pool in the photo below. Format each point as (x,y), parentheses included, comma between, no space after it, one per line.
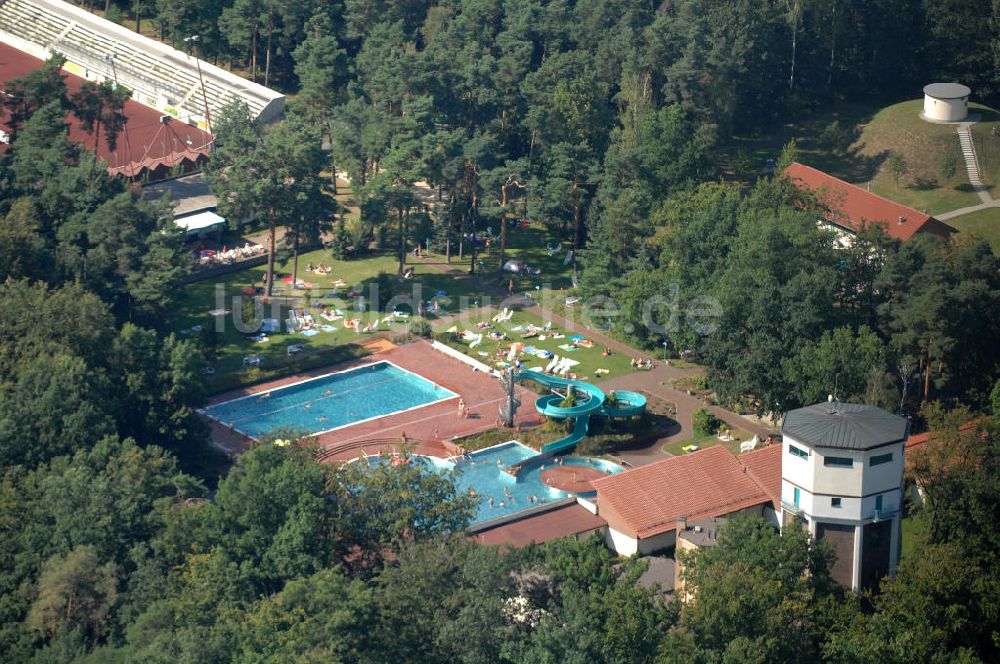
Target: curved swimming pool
(483,472)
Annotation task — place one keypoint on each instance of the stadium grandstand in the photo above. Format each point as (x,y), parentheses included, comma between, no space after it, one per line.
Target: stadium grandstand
(174,95)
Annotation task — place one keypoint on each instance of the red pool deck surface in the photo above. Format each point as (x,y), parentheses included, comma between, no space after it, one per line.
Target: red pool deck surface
(573,479)
(435,424)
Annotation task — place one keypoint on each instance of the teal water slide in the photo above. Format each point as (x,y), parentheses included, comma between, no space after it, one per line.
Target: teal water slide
(590,400)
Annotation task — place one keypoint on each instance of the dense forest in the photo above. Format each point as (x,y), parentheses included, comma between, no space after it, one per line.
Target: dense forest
(119,539)
(604,121)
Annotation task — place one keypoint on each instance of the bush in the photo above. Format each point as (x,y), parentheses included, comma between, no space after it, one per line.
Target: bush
(420,328)
(948,165)
(704,422)
(836,137)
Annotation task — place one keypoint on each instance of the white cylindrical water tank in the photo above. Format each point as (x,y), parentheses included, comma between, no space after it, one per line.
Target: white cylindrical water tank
(946,102)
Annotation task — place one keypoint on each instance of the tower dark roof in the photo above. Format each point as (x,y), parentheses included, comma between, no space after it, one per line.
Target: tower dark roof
(845,426)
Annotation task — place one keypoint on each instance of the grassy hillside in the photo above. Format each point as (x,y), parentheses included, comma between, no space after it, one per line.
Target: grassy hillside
(854,141)
(926,147)
(986,136)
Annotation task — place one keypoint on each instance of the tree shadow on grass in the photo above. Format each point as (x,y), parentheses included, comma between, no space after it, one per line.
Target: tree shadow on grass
(921,184)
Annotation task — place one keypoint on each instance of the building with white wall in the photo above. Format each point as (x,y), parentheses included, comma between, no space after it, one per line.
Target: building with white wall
(946,102)
(842,473)
(642,505)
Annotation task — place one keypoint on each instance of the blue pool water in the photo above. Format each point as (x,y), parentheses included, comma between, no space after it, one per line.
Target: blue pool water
(481,472)
(330,401)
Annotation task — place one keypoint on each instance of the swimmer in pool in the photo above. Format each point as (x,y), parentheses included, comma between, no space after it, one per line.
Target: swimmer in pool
(308,404)
(328,393)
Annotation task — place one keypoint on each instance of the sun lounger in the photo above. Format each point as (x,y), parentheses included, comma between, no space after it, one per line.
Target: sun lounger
(294,349)
(478,340)
(552,365)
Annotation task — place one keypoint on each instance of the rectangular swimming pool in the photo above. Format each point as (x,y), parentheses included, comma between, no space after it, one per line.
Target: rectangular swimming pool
(329,402)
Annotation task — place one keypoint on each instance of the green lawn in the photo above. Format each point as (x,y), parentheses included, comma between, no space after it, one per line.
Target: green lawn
(528,244)
(985,224)
(226,292)
(589,358)
(739,435)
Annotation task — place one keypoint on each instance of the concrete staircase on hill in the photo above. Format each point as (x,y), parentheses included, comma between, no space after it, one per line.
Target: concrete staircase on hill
(969,153)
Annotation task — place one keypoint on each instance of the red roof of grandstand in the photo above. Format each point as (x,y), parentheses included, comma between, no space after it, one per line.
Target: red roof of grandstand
(149,144)
(704,484)
(852,207)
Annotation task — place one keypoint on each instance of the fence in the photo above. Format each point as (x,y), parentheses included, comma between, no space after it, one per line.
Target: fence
(461,357)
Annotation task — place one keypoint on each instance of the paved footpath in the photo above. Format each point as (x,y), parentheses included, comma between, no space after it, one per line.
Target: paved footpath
(655,382)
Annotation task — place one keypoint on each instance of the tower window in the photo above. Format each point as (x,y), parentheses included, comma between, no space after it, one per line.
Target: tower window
(835,502)
(842,462)
(798,451)
(878,503)
(880,459)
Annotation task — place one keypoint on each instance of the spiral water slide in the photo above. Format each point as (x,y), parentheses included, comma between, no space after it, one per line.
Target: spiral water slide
(590,400)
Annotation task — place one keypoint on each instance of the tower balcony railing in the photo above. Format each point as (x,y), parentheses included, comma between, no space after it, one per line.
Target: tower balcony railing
(789,507)
(883,514)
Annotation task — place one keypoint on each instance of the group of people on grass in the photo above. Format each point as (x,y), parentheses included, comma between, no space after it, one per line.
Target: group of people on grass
(318,269)
(644,363)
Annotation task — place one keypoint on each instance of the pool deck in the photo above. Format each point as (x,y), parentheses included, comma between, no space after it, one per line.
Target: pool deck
(572,479)
(434,423)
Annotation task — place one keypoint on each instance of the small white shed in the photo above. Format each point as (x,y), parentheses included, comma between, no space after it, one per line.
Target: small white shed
(946,102)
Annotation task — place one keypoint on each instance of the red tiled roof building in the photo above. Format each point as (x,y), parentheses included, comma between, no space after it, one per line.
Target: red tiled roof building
(642,505)
(849,208)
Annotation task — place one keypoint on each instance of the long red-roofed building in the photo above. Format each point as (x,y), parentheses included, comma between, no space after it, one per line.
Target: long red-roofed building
(849,208)
(642,505)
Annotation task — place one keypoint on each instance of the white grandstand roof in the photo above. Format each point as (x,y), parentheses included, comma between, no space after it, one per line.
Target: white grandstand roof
(160,76)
